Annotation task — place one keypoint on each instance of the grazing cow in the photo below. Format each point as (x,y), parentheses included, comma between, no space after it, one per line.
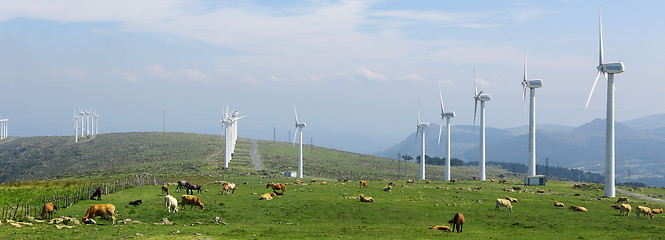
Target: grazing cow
(558,204)
(165,189)
(458,221)
(616,206)
(644,211)
(452,180)
(192,201)
(410,181)
(170,203)
(314,180)
(324,183)
(503,203)
(517,188)
(298,181)
(622,199)
(181,184)
(287,184)
(229,187)
(191,187)
(363,183)
(475,178)
(502,181)
(267,196)
(136,202)
(48,210)
(98,193)
(442,228)
(387,188)
(366,199)
(492,180)
(578,208)
(276,186)
(657,210)
(625,208)
(102,210)
(577,186)
(541,191)
(511,199)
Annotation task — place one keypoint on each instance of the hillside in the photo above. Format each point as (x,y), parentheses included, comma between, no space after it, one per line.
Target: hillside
(182,154)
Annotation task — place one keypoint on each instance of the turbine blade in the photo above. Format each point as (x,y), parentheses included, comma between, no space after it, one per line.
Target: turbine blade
(441,98)
(475,85)
(592,88)
(440,128)
(295,112)
(295,134)
(418,110)
(417,131)
(475,108)
(600,23)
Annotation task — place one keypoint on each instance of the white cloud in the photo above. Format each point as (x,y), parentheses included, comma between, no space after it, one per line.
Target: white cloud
(129,76)
(274,78)
(369,75)
(196,75)
(155,68)
(69,72)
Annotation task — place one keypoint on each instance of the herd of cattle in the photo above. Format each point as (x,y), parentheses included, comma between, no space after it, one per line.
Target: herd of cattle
(106,211)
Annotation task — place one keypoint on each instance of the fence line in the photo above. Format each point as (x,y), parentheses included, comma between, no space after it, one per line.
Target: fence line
(34,208)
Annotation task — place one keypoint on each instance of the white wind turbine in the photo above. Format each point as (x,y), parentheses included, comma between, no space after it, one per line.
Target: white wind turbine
(532,85)
(608,70)
(479,96)
(299,127)
(230,125)
(420,127)
(96,121)
(76,127)
(82,114)
(447,116)
(87,122)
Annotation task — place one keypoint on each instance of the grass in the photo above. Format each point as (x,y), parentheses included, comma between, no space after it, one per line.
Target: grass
(329,211)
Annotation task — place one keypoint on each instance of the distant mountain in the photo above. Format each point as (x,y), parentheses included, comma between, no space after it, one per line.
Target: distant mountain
(640,147)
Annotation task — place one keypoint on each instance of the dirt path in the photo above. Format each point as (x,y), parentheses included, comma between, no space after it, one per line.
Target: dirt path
(256,158)
(641,196)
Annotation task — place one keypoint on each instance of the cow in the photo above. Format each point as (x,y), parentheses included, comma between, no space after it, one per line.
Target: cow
(98,193)
(503,203)
(181,184)
(366,199)
(102,210)
(622,199)
(314,180)
(136,202)
(267,196)
(363,183)
(625,208)
(578,208)
(657,210)
(191,187)
(442,228)
(170,203)
(646,211)
(276,186)
(458,221)
(229,187)
(192,201)
(48,209)
(165,189)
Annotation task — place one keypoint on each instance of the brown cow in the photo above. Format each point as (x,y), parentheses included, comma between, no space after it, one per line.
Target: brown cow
(276,186)
(657,210)
(48,209)
(457,221)
(165,189)
(229,187)
(98,193)
(267,196)
(102,210)
(363,183)
(442,228)
(192,201)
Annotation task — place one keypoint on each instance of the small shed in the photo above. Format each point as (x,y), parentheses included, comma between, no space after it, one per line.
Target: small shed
(291,174)
(535,180)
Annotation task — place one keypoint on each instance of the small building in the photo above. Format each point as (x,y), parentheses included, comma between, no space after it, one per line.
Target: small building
(535,180)
(291,174)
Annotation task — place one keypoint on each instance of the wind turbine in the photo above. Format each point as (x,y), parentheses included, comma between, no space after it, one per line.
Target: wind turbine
(608,70)
(76,127)
(420,126)
(447,116)
(82,113)
(532,85)
(299,127)
(96,119)
(230,125)
(479,96)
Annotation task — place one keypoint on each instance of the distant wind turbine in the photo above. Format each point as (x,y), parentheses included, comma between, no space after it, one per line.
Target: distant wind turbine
(230,125)
(76,127)
(608,70)
(299,127)
(479,96)
(532,85)
(447,116)
(420,127)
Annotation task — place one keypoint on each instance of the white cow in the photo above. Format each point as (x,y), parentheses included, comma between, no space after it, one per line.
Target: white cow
(170,203)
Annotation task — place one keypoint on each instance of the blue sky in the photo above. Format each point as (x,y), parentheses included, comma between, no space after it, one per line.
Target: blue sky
(354,68)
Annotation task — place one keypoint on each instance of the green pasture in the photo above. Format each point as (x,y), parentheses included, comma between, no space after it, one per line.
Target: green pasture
(331,211)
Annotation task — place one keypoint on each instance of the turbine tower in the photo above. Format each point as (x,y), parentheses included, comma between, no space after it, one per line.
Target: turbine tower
(3,128)
(420,126)
(532,85)
(230,129)
(299,127)
(479,96)
(608,70)
(82,113)
(96,121)
(447,116)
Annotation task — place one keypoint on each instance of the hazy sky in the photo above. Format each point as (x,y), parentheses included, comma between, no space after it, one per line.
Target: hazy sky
(354,68)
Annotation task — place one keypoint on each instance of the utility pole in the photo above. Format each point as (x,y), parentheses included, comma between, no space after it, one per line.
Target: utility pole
(274,134)
(289,139)
(399,164)
(547,167)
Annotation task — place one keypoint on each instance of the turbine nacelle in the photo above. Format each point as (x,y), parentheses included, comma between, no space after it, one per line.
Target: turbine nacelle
(484,97)
(611,68)
(423,125)
(448,115)
(301,125)
(535,83)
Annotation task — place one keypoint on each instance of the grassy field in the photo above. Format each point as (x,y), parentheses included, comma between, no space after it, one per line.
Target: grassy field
(329,211)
